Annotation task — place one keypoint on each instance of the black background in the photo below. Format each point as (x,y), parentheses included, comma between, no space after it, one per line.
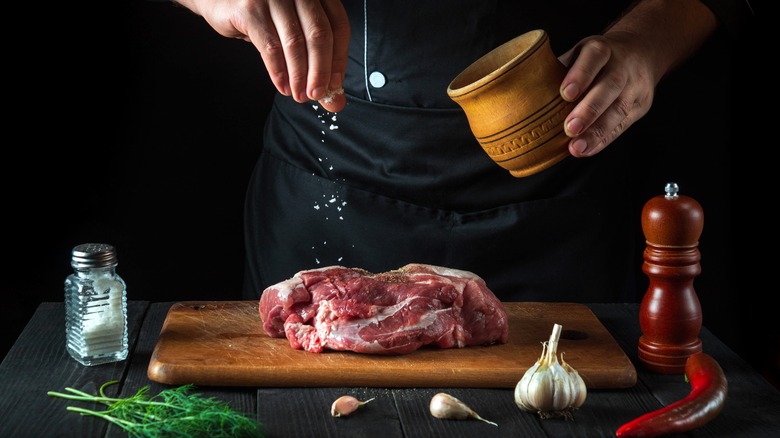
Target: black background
(140,125)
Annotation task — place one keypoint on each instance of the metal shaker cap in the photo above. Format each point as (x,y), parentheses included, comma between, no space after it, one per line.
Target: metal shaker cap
(672,190)
(93,255)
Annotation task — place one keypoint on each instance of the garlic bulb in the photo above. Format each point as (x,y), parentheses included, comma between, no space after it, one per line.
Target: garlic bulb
(548,387)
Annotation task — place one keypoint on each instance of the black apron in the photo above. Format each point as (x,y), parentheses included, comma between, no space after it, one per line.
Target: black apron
(397,177)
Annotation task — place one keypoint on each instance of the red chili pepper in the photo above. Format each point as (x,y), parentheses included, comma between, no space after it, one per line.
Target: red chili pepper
(709,389)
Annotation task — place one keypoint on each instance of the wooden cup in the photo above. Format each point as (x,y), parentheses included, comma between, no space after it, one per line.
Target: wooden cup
(513,104)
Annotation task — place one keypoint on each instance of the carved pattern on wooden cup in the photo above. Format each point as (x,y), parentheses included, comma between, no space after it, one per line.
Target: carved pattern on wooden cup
(527,140)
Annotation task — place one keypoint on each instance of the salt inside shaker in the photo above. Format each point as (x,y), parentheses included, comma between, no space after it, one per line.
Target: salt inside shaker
(95,306)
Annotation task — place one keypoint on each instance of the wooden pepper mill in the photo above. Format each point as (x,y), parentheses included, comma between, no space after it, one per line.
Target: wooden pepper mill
(670,315)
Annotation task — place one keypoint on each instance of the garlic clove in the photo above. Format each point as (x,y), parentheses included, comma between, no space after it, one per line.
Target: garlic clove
(345,405)
(522,389)
(543,389)
(563,390)
(447,407)
(581,389)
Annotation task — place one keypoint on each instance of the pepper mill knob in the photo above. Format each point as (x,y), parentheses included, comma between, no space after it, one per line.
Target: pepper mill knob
(670,314)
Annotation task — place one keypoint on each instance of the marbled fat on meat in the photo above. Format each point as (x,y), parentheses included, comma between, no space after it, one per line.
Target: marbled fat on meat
(394,312)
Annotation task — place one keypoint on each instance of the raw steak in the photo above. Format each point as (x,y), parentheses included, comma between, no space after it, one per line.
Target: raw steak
(394,312)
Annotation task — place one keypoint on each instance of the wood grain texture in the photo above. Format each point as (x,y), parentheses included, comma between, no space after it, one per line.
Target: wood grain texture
(32,368)
(221,343)
(38,362)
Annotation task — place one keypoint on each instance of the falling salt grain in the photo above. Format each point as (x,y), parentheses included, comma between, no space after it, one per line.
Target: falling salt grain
(333,127)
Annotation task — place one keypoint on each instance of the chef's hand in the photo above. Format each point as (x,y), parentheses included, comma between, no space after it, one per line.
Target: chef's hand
(616,89)
(613,76)
(303,43)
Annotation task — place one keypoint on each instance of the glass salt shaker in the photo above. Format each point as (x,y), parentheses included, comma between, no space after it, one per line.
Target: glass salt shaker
(95,306)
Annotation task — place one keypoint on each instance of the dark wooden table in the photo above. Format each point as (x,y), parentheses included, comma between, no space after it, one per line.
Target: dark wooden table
(38,363)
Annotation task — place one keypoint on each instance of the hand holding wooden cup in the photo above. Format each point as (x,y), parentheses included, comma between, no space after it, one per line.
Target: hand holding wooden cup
(513,104)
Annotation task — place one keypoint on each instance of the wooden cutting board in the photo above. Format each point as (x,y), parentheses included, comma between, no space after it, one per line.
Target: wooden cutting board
(222,343)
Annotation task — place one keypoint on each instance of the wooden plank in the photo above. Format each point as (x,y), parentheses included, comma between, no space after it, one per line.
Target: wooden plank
(748,390)
(38,362)
(310,408)
(221,343)
(243,400)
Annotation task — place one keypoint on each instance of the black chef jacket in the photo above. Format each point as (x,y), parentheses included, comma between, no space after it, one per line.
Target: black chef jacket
(396,177)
